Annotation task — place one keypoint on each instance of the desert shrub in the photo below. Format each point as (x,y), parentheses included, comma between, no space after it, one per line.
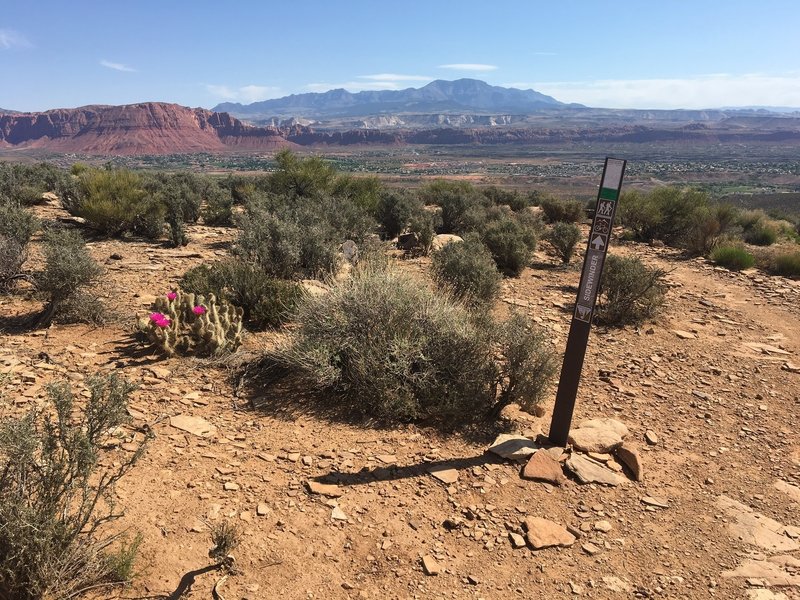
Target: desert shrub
(392,348)
(423,224)
(511,198)
(786,264)
(266,301)
(733,257)
(113,201)
(566,211)
(455,198)
(363,192)
(68,270)
(682,218)
(510,245)
(528,363)
(300,177)
(467,268)
(727,216)
(219,206)
(394,211)
(12,257)
(630,292)
(56,488)
(16,222)
(183,323)
(289,245)
(564,237)
(703,231)
(760,233)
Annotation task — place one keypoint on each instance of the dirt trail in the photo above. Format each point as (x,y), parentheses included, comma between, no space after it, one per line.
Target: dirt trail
(724,414)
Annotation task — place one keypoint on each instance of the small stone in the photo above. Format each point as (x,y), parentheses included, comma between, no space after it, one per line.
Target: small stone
(542,533)
(430,565)
(159,372)
(543,467)
(655,501)
(684,335)
(262,510)
(575,588)
(194,425)
(650,437)
(591,549)
(588,471)
(472,580)
(230,486)
(513,447)
(517,541)
(337,514)
(630,458)
(324,489)
(443,474)
(603,526)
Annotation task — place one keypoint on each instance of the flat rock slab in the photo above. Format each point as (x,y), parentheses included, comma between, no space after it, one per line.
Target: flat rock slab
(588,471)
(194,425)
(543,533)
(444,474)
(756,529)
(787,488)
(543,467)
(766,348)
(630,458)
(513,447)
(763,594)
(430,566)
(592,439)
(684,335)
(773,571)
(324,489)
(606,424)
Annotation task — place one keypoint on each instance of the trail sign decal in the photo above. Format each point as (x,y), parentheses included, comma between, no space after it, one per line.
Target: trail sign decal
(596,249)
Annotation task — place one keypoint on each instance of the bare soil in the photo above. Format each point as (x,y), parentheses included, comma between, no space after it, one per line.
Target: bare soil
(725,417)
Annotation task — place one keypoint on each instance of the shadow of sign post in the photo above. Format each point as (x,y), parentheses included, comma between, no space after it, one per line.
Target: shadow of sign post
(596,250)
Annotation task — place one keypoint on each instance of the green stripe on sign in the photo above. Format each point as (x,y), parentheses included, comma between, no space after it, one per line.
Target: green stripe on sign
(609,194)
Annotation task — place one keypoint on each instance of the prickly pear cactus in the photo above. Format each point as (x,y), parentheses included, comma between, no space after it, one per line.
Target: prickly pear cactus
(183,323)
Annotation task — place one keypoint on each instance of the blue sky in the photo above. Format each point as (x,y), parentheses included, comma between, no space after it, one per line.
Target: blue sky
(668,54)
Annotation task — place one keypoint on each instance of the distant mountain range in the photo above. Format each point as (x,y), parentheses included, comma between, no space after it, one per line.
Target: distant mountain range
(440,96)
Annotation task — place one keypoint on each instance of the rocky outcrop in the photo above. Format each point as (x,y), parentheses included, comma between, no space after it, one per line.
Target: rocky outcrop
(147,128)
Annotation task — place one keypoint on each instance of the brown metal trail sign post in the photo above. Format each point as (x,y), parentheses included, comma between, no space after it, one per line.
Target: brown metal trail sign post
(597,247)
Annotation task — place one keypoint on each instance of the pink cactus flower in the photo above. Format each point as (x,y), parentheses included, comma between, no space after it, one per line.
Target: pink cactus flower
(172,295)
(199,310)
(156,317)
(164,323)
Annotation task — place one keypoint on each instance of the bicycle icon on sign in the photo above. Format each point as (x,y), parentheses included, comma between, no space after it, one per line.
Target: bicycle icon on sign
(602,226)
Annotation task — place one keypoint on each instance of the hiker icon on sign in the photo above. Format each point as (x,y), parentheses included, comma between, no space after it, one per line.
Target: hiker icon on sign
(605,209)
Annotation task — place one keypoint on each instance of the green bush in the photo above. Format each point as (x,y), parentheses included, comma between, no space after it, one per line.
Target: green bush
(510,245)
(630,292)
(392,348)
(760,233)
(456,199)
(733,257)
(115,202)
(423,224)
(12,257)
(786,264)
(16,222)
(285,246)
(511,198)
(395,210)
(564,237)
(56,494)
(219,206)
(266,301)
(565,211)
(68,270)
(467,268)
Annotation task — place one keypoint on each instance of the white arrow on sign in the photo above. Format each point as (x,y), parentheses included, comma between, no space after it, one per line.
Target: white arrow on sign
(598,243)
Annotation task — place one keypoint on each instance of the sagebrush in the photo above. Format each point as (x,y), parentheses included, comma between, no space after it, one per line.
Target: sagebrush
(468,270)
(56,494)
(630,291)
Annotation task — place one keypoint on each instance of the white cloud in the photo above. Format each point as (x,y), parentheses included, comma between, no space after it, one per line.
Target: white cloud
(246,93)
(13,39)
(469,67)
(395,77)
(705,91)
(117,66)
